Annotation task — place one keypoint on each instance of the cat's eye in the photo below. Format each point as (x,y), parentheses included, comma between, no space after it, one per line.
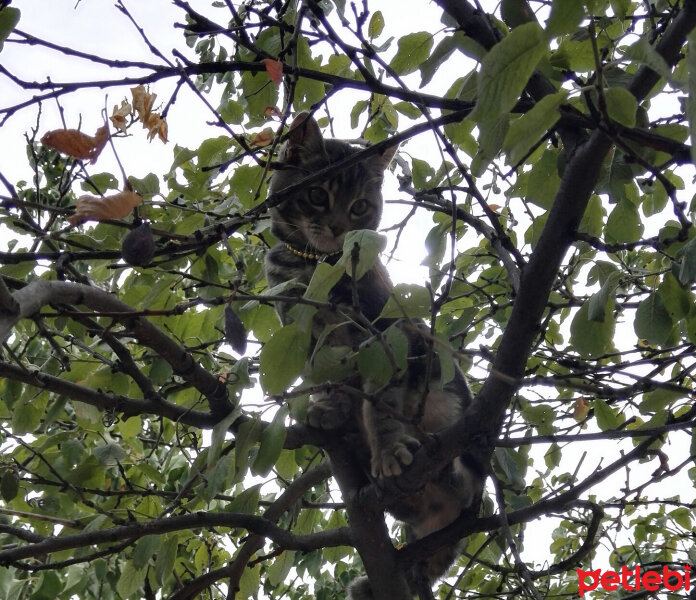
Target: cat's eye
(318,197)
(360,207)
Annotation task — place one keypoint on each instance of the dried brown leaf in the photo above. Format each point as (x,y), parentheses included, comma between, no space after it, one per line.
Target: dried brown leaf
(118,116)
(77,144)
(274,69)
(272,111)
(263,138)
(142,102)
(116,206)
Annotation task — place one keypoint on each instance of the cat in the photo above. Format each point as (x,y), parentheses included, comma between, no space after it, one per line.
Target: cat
(311,226)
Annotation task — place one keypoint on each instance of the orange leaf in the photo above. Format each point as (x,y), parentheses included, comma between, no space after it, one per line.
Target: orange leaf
(156,126)
(77,144)
(116,206)
(275,69)
(494,207)
(263,138)
(272,111)
(581,409)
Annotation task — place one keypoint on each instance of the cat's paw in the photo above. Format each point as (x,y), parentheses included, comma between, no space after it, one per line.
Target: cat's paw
(328,414)
(389,460)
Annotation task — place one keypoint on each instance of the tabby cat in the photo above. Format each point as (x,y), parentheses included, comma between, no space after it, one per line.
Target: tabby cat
(311,225)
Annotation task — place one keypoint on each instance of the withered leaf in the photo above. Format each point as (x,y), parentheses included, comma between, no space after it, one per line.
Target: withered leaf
(118,116)
(272,111)
(142,102)
(116,206)
(77,144)
(274,69)
(156,126)
(263,138)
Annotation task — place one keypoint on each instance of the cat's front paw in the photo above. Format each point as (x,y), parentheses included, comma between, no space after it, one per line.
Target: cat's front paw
(328,413)
(389,460)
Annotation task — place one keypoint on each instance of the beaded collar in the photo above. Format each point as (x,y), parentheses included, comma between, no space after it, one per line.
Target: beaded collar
(311,255)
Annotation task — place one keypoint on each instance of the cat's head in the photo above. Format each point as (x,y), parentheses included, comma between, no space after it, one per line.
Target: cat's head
(317,218)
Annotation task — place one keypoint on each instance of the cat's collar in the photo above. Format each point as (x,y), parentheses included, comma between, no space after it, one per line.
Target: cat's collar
(319,257)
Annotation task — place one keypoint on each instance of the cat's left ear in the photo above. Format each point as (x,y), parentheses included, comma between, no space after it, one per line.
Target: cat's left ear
(385,158)
(304,139)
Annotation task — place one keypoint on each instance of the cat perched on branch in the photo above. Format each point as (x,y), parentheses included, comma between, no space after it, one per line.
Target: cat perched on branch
(392,418)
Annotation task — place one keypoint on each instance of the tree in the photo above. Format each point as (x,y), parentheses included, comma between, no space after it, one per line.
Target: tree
(138,462)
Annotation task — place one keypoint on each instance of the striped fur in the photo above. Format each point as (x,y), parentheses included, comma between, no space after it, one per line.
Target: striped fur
(313,223)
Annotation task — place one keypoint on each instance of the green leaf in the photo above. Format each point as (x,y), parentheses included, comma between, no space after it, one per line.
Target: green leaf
(606,417)
(598,302)
(370,244)
(407,300)
(109,454)
(553,456)
(232,112)
(691,87)
(147,187)
(506,69)
(332,363)
(220,431)
(398,343)
(216,479)
(622,106)
(324,278)
(530,127)
(102,181)
(682,516)
(544,180)
(145,548)
(358,109)
(422,172)
(624,223)
(280,567)
(658,400)
(677,300)
(565,17)
(592,337)
(131,580)
(459,40)
(282,358)
(272,440)
(166,557)
(374,365)
(376,24)
(250,582)
(687,268)
(25,418)
(9,485)
(643,52)
(593,220)
(652,321)
(413,50)
(9,17)
(516,12)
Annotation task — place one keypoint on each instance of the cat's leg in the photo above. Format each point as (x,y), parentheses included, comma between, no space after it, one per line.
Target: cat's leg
(391,447)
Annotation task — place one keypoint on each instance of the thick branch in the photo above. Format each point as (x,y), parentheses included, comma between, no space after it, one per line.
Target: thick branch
(323,539)
(42,292)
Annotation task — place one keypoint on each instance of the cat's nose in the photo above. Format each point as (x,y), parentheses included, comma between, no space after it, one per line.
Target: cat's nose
(337,229)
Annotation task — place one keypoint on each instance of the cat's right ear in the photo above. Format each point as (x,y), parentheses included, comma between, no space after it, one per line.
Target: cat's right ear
(304,139)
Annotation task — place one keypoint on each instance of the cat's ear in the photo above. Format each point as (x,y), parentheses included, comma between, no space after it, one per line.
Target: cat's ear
(304,139)
(383,160)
